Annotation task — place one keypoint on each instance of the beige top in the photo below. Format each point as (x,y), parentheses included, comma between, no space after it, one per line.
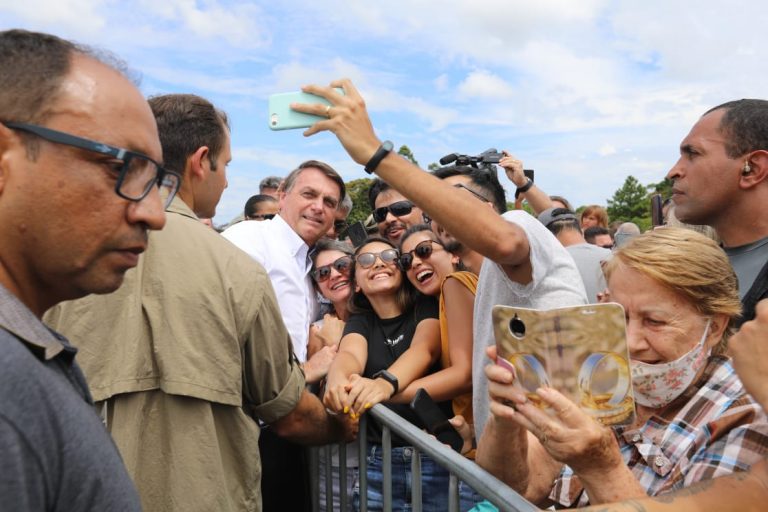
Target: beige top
(197,318)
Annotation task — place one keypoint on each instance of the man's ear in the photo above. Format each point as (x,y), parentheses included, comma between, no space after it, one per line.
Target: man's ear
(757,166)
(199,163)
(6,144)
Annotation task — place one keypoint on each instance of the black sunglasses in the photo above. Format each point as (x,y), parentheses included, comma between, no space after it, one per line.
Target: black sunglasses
(342,266)
(264,216)
(398,209)
(367,259)
(137,172)
(423,250)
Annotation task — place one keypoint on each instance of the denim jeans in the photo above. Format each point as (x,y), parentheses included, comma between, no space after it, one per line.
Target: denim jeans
(434,481)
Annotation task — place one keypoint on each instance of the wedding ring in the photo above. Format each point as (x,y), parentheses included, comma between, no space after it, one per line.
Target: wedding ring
(327,111)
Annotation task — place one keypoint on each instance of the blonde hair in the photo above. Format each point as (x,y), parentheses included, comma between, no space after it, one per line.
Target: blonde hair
(689,264)
(599,212)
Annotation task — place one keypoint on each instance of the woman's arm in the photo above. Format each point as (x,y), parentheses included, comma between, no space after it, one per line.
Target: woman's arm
(350,360)
(455,380)
(412,364)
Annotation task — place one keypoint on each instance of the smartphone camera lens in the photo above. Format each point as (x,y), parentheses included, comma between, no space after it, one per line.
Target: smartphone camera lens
(517,327)
(273,120)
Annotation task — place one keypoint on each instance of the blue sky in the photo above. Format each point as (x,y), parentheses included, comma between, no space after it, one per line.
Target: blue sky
(585,92)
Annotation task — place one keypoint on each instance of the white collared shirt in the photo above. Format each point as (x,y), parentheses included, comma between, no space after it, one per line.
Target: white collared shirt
(285,256)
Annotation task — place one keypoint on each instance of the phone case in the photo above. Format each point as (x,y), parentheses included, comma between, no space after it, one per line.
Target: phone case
(282,117)
(581,351)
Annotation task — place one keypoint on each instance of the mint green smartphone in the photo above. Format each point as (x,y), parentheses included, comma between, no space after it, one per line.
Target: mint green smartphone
(282,117)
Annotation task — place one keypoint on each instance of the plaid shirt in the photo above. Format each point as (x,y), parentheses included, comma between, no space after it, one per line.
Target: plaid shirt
(713,429)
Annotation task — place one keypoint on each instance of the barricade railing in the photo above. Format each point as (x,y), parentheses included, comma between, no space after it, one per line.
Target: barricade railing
(459,467)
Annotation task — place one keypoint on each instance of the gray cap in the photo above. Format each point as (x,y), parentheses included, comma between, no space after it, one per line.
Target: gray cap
(550,215)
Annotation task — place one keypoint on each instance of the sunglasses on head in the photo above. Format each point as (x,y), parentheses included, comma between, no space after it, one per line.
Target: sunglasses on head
(341,265)
(398,209)
(367,259)
(423,250)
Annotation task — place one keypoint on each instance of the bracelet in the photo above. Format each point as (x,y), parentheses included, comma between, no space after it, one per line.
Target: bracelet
(525,188)
(381,153)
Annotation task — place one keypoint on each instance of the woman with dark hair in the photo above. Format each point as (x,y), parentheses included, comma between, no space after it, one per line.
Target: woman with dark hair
(391,339)
(331,267)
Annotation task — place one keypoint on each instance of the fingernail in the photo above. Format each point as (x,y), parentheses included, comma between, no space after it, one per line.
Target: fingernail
(353,415)
(368,405)
(346,409)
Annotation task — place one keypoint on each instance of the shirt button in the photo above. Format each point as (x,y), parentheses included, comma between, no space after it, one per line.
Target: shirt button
(660,461)
(407,452)
(636,438)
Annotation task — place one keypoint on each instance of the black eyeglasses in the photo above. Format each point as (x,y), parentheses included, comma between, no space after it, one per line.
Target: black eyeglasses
(398,209)
(342,266)
(137,172)
(367,259)
(263,216)
(423,250)
(479,196)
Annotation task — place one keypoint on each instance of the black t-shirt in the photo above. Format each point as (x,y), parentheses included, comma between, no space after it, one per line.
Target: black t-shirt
(387,340)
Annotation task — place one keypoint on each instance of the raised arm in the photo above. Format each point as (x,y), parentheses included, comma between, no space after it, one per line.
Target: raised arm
(480,229)
(537,198)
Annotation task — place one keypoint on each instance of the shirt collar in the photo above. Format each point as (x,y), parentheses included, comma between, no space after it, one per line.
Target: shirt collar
(19,320)
(180,207)
(296,245)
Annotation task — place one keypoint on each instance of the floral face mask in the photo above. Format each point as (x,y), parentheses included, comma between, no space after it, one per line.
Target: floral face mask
(656,385)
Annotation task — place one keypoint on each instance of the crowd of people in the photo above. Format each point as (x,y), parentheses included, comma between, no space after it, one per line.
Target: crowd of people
(150,362)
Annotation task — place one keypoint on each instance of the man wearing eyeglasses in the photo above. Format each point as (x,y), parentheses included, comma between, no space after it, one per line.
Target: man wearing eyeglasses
(199,350)
(78,139)
(392,212)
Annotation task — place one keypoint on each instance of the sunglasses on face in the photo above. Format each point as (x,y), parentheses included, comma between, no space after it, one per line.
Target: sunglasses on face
(263,216)
(398,209)
(423,250)
(341,265)
(367,259)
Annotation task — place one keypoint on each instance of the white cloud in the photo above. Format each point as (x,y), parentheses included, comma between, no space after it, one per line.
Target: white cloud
(73,16)
(485,85)
(607,150)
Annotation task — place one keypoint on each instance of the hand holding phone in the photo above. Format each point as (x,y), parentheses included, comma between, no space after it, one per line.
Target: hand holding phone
(435,421)
(283,117)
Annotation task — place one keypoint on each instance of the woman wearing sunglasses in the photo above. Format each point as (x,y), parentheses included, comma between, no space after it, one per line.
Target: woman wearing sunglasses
(331,265)
(438,273)
(391,339)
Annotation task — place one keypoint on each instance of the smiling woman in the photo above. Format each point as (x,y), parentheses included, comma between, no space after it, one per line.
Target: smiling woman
(391,339)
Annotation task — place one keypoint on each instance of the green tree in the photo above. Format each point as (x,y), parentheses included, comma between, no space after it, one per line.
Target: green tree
(630,204)
(358,192)
(433,166)
(406,153)
(664,187)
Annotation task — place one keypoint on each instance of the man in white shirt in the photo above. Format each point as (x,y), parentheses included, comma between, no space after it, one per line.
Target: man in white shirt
(308,202)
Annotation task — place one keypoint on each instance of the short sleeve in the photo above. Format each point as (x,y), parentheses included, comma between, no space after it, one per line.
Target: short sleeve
(358,323)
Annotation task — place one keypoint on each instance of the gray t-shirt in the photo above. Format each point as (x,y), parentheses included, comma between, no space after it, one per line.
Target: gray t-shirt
(55,453)
(588,258)
(747,261)
(556,283)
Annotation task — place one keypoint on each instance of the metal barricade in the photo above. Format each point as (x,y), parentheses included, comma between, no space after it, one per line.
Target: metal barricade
(460,468)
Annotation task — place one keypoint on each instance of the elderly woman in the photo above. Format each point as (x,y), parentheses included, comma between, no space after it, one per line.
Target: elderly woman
(694,419)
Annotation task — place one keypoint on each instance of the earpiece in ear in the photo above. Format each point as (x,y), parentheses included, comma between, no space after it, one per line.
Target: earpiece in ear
(747,169)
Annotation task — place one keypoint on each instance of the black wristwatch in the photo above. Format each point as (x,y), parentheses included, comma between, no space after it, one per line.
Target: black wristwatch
(384,374)
(380,154)
(525,188)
